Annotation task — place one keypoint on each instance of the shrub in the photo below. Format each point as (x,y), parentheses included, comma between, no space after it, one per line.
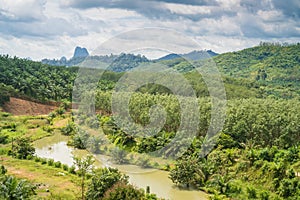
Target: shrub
(60,111)
(65,167)
(37,159)
(48,129)
(124,191)
(43,161)
(251,193)
(57,164)
(265,195)
(102,180)
(50,162)
(3,151)
(72,169)
(22,148)
(3,139)
(69,129)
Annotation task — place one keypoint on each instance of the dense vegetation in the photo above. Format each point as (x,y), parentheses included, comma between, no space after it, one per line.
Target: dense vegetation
(13,188)
(36,80)
(257,155)
(17,153)
(275,66)
(265,70)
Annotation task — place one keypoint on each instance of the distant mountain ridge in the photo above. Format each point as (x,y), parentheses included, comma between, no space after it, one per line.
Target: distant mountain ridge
(193,55)
(117,63)
(81,53)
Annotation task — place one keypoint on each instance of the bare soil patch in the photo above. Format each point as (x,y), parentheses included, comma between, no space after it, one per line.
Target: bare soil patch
(18,106)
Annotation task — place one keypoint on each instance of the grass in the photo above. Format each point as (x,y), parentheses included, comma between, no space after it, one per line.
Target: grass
(35,127)
(52,182)
(59,183)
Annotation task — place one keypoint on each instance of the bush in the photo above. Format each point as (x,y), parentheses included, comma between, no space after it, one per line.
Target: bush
(234,188)
(72,169)
(52,115)
(102,180)
(22,148)
(3,139)
(65,167)
(13,188)
(119,156)
(124,191)
(265,195)
(48,129)
(43,161)
(3,151)
(57,164)
(37,159)
(69,129)
(60,111)
(289,188)
(251,193)
(50,162)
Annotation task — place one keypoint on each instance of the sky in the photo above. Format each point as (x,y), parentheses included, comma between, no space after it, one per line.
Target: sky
(51,28)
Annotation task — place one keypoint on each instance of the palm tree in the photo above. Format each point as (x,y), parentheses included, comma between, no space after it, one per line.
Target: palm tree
(13,189)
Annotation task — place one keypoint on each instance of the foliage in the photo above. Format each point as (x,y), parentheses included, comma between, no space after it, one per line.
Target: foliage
(102,180)
(123,191)
(80,139)
(37,80)
(188,172)
(22,148)
(119,155)
(69,129)
(84,166)
(12,188)
(94,143)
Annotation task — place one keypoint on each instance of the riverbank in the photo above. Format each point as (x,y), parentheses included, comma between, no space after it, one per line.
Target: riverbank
(157,180)
(58,183)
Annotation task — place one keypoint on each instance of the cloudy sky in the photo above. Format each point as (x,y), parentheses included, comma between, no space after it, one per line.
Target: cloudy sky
(52,28)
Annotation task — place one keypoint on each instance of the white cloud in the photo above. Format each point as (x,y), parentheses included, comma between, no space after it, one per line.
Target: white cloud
(187,9)
(44,28)
(22,10)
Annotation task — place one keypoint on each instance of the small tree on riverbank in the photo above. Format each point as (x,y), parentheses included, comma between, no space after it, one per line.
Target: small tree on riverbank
(84,166)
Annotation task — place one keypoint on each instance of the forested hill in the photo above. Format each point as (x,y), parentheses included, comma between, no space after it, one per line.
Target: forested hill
(277,60)
(267,70)
(277,66)
(274,67)
(34,79)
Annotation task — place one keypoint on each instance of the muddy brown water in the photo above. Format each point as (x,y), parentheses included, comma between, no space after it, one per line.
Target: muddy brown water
(55,147)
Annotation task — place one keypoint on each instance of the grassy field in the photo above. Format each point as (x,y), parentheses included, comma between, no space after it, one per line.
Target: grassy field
(51,182)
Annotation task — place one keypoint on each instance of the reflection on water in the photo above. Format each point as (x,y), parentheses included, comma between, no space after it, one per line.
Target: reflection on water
(55,147)
(59,152)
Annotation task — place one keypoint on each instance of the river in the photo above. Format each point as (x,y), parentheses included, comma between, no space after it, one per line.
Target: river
(55,147)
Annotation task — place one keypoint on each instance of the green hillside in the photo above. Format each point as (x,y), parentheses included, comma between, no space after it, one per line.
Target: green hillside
(276,67)
(267,70)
